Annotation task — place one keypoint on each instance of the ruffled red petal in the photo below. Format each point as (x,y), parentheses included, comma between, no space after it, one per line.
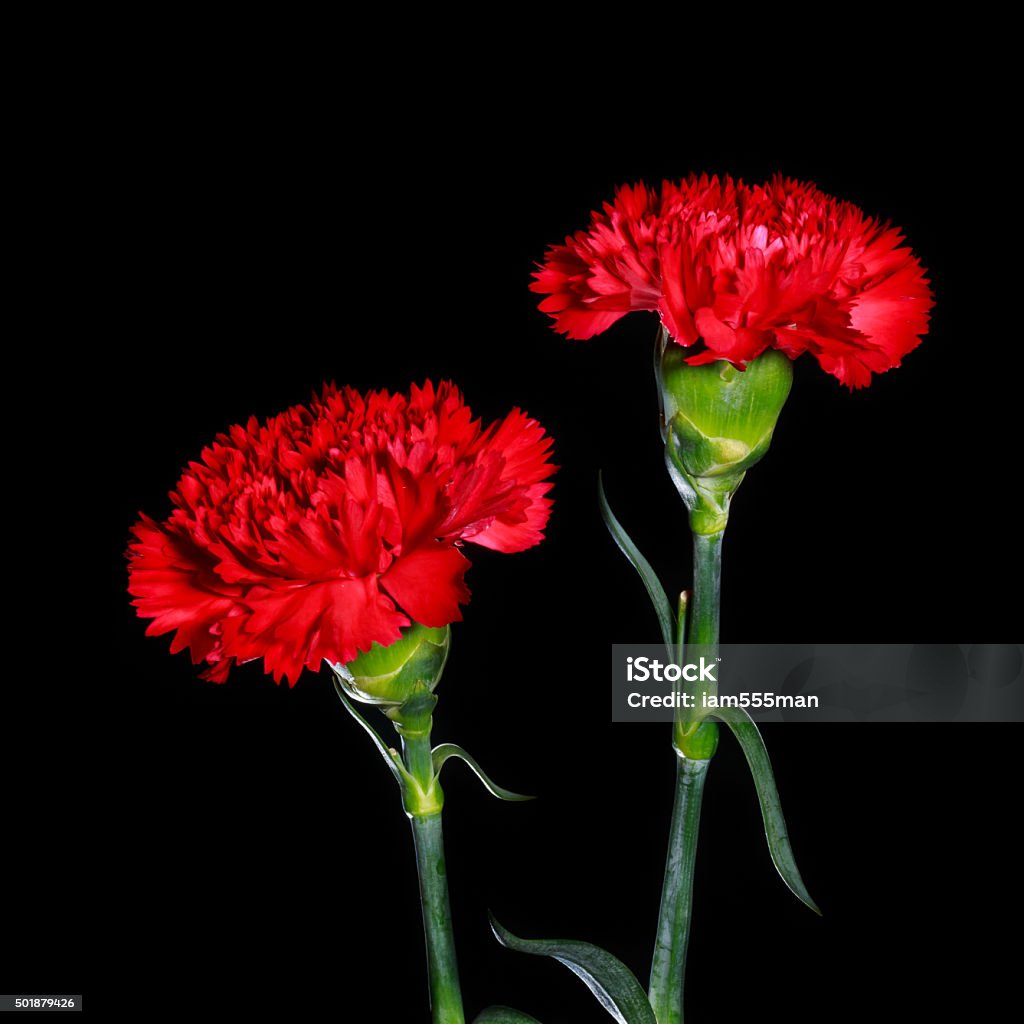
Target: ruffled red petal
(297,627)
(428,583)
(174,583)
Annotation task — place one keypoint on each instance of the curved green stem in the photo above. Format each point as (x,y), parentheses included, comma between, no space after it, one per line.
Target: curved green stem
(445,995)
(669,964)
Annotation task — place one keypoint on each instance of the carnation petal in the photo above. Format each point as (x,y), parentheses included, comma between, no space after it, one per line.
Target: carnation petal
(428,584)
(173,584)
(510,535)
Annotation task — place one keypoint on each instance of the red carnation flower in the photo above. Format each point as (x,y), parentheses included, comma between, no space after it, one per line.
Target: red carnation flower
(328,528)
(744,268)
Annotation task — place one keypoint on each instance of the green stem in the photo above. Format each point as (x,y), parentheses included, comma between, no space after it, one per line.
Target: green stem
(669,965)
(428,839)
(695,735)
(695,743)
(707,569)
(445,995)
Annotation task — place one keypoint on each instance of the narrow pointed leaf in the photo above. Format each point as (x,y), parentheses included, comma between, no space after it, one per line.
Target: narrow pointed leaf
(390,759)
(503,1015)
(609,979)
(750,740)
(684,604)
(441,754)
(655,590)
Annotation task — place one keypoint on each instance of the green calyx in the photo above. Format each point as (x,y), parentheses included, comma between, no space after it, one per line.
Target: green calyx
(390,676)
(717,423)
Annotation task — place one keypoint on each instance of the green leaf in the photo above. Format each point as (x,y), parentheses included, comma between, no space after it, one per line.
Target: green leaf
(684,604)
(752,743)
(391,757)
(503,1015)
(610,980)
(655,590)
(441,753)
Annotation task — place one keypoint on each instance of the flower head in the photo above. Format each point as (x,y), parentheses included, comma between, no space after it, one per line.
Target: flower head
(328,528)
(743,268)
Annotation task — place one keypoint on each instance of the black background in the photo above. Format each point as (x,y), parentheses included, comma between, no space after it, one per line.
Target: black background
(244,841)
